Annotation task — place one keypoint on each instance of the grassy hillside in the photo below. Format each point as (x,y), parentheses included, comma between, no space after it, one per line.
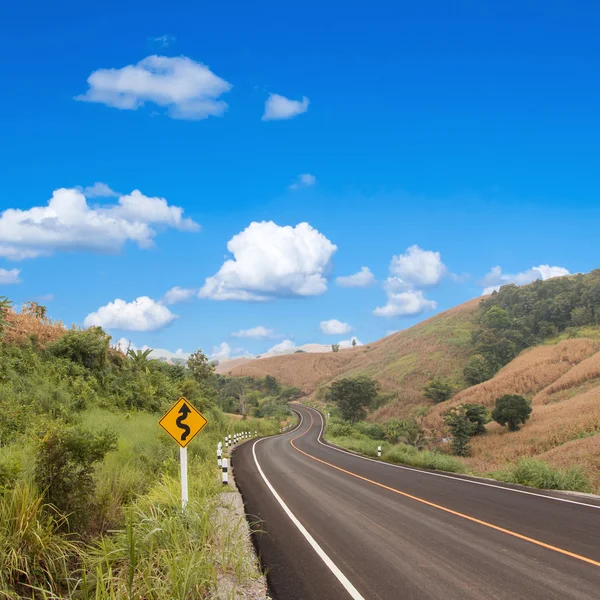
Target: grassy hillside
(402,362)
(89,484)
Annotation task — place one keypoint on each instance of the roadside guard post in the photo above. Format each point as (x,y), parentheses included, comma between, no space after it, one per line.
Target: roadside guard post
(379,451)
(183,422)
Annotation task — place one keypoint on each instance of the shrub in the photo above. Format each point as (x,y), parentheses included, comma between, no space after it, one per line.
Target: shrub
(341,430)
(462,428)
(438,390)
(372,430)
(511,410)
(479,415)
(64,467)
(88,348)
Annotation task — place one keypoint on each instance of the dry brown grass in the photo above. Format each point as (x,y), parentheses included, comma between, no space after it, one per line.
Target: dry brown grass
(531,372)
(23,326)
(402,362)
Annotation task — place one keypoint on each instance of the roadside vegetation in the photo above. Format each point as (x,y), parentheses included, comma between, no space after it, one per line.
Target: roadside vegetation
(89,484)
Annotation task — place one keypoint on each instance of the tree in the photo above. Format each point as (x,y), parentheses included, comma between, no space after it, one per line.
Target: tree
(335,347)
(139,357)
(353,342)
(511,410)
(497,318)
(477,370)
(479,415)
(236,388)
(461,428)
(271,385)
(353,397)
(5,305)
(35,309)
(200,366)
(438,390)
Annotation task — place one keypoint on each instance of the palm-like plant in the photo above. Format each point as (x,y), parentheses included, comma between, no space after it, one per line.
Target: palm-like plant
(139,357)
(415,437)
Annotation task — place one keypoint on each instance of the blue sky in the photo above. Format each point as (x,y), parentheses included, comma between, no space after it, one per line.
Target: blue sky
(470,131)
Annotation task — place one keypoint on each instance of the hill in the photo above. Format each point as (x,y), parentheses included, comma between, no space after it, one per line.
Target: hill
(402,362)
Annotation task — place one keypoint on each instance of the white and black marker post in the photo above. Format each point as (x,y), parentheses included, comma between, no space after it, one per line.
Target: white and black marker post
(379,451)
(225,476)
(219,454)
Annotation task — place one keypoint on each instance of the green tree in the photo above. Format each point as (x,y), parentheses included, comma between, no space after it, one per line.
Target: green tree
(353,342)
(477,370)
(353,397)
(335,347)
(461,428)
(511,410)
(200,366)
(479,415)
(497,318)
(88,348)
(139,358)
(271,385)
(5,305)
(438,390)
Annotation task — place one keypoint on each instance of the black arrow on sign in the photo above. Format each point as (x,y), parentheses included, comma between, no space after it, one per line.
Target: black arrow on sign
(184,411)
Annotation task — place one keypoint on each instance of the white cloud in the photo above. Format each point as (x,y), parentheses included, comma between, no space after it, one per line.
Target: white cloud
(143,314)
(67,223)
(123,344)
(348,343)
(302,181)
(284,347)
(334,327)
(225,352)
(363,278)
(411,271)
(271,261)
(259,332)
(279,107)
(495,279)
(98,190)
(412,302)
(418,268)
(188,89)
(178,294)
(8,277)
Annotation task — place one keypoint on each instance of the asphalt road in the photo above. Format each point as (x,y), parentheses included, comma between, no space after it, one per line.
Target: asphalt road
(380,531)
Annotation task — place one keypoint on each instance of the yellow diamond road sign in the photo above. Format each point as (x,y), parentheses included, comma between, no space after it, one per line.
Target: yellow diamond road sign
(182,422)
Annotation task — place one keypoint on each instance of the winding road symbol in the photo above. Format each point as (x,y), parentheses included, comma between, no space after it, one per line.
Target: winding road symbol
(184,411)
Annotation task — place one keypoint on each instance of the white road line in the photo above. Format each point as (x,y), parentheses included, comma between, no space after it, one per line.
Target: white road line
(352,591)
(434,474)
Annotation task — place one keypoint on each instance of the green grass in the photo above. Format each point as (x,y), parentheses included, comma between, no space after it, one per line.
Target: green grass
(400,454)
(140,544)
(539,474)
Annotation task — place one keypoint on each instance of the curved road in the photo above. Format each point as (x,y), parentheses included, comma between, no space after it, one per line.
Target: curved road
(336,526)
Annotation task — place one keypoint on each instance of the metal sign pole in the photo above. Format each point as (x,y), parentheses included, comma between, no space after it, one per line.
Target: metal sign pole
(184,476)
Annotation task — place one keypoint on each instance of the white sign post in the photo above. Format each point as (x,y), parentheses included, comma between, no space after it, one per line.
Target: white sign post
(184,476)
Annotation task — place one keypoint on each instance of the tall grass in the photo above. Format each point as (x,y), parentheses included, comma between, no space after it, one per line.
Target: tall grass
(539,474)
(401,454)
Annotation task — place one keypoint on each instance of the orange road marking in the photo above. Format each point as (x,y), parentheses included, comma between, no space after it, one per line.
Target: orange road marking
(443,508)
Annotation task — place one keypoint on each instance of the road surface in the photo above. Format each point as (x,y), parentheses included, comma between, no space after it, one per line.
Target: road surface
(337,526)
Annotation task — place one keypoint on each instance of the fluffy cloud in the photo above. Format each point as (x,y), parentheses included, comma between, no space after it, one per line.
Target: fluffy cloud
(98,190)
(418,268)
(225,352)
(412,302)
(364,278)
(143,314)
(178,294)
(284,347)
(495,279)
(334,327)
(409,272)
(188,89)
(279,107)
(258,333)
(271,261)
(8,277)
(302,181)
(67,223)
